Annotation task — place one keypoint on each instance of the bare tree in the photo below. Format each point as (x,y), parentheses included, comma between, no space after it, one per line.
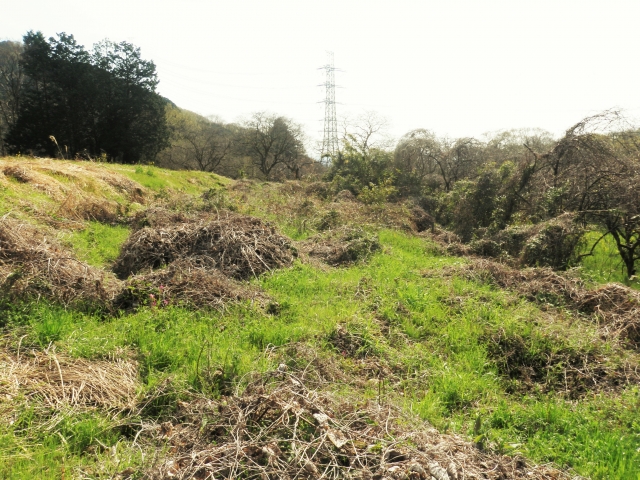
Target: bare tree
(207,144)
(366,131)
(196,142)
(271,142)
(594,169)
(416,153)
(458,159)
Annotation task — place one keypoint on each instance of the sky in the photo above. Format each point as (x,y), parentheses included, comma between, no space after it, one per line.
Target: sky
(457,67)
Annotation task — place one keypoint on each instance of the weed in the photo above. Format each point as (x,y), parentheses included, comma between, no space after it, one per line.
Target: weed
(98,244)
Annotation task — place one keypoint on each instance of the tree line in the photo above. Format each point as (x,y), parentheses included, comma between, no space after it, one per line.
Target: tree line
(58,99)
(65,101)
(491,192)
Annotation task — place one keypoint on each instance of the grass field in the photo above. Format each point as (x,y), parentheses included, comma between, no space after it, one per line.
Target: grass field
(399,329)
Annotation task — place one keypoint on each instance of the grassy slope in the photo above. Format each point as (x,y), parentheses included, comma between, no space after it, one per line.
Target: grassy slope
(423,341)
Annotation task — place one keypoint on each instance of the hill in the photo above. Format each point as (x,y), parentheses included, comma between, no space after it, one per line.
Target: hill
(178,324)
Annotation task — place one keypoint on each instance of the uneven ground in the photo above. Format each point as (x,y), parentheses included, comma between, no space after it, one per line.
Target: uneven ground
(165,324)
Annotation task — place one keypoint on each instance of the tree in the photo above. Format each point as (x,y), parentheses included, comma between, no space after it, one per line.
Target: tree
(132,126)
(11,81)
(271,142)
(196,142)
(56,96)
(414,160)
(91,103)
(594,170)
(364,159)
(623,223)
(208,144)
(458,159)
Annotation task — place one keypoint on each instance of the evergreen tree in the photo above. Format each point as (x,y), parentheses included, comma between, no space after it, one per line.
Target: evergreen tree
(91,103)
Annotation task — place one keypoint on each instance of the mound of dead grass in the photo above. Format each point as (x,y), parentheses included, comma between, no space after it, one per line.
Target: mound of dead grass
(78,206)
(33,266)
(159,217)
(549,365)
(60,180)
(422,221)
(341,246)
(186,283)
(278,428)
(238,246)
(133,191)
(28,173)
(615,307)
(56,380)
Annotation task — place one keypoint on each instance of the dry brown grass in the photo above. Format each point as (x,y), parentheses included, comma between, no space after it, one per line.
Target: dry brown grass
(278,428)
(87,188)
(238,246)
(341,246)
(308,205)
(614,307)
(159,217)
(28,173)
(55,380)
(34,266)
(78,206)
(184,282)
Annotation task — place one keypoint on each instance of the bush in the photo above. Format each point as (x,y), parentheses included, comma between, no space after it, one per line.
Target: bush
(378,194)
(555,244)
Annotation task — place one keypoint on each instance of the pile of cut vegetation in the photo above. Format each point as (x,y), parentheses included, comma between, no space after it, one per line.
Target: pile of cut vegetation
(197,260)
(615,307)
(341,246)
(277,428)
(239,246)
(551,243)
(56,380)
(33,266)
(184,282)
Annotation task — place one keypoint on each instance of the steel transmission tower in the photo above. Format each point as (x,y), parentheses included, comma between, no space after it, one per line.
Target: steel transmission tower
(330,140)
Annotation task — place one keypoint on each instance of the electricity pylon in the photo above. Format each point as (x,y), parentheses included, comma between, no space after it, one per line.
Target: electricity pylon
(330,140)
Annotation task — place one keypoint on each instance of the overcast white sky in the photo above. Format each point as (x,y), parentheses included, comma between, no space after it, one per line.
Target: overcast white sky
(459,68)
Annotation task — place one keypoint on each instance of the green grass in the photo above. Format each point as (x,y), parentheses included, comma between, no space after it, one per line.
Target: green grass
(159,179)
(438,335)
(437,347)
(605,265)
(53,445)
(98,244)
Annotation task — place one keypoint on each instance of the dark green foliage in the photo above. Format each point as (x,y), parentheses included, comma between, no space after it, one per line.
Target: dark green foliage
(554,245)
(356,168)
(84,104)
(11,80)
